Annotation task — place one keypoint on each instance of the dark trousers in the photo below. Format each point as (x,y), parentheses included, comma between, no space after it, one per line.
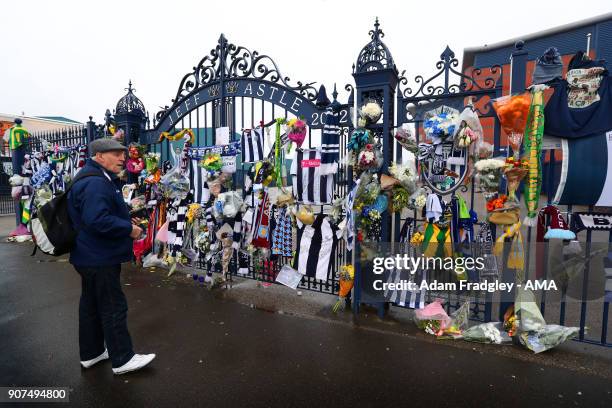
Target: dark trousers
(103,315)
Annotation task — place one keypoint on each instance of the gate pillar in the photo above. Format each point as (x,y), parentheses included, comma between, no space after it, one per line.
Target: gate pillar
(131,116)
(376,79)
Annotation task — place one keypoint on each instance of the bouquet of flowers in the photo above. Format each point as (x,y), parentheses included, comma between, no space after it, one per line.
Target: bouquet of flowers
(212,162)
(369,113)
(346,280)
(194,211)
(406,175)
(401,198)
(465,137)
(432,318)
(420,201)
(367,192)
(369,158)
(406,139)
(489,171)
(512,112)
(417,239)
(152,162)
(510,321)
(441,124)
(496,203)
(491,332)
(515,171)
(470,130)
(296,131)
(359,138)
(135,163)
(370,224)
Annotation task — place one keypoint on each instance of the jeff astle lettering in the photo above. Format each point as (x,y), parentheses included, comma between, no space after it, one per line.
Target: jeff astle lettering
(288,99)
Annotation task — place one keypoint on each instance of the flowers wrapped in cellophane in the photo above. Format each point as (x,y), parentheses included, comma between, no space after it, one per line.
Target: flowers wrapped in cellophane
(515,171)
(440,126)
(512,112)
(369,113)
(212,162)
(296,131)
(489,171)
(346,280)
(406,138)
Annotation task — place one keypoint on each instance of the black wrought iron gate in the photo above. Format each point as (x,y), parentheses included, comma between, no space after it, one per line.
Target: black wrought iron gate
(242,89)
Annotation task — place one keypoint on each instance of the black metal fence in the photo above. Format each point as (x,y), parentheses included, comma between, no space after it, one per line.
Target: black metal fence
(68,136)
(39,141)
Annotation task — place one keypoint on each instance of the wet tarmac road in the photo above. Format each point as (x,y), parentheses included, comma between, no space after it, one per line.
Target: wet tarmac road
(213,352)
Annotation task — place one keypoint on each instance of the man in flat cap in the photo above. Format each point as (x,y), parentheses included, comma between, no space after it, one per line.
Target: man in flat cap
(104,241)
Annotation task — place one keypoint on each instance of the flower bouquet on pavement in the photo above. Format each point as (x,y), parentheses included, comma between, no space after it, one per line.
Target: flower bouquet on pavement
(346,279)
(432,318)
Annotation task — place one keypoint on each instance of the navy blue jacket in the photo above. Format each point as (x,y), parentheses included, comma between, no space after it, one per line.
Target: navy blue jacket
(102,219)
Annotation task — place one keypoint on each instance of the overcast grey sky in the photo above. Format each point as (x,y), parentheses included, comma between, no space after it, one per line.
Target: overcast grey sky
(74,58)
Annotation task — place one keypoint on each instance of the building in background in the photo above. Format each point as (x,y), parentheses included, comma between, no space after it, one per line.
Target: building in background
(593,35)
(33,124)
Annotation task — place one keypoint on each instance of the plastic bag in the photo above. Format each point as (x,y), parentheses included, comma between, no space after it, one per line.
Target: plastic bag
(174,184)
(459,321)
(151,261)
(16,192)
(230,204)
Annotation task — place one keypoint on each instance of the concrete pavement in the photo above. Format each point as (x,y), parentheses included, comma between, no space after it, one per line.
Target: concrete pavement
(214,349)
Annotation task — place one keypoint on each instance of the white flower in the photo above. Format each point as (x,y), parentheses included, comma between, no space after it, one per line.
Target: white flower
(420,201)
(372,110)
(488,165)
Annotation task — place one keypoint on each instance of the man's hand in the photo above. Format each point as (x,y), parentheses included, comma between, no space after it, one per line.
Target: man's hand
(137,220)
(136,232)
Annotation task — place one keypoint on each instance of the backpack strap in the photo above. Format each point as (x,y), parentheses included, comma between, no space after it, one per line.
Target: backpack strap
(81,176)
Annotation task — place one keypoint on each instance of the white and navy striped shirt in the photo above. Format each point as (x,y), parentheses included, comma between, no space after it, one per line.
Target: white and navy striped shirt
(199,182)
(252,145)
(316,247)
(310,186)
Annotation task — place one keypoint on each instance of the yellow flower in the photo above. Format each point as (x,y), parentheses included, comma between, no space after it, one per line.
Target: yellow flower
(350,269)
(417,239)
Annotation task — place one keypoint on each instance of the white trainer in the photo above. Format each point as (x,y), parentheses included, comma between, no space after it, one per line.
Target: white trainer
(135,363)
(89,363)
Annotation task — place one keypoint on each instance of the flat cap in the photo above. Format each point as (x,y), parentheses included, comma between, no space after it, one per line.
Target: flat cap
(105,145)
